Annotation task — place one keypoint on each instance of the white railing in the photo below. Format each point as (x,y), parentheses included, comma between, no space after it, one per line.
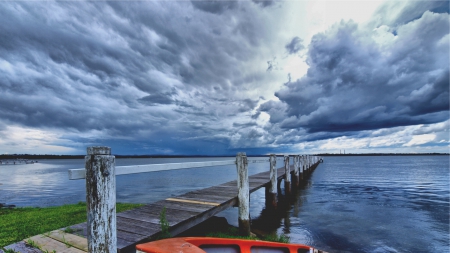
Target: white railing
(133,169)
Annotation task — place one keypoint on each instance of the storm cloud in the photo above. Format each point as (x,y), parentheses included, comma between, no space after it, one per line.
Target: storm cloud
(217,77)
(361,78)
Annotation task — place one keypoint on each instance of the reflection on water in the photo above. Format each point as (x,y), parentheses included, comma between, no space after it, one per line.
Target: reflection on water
(349,204)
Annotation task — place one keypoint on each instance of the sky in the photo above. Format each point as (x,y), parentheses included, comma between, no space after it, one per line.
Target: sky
(221,77)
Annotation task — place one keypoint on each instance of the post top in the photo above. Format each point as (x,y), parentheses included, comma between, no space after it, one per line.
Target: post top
(241,154)
(99,150)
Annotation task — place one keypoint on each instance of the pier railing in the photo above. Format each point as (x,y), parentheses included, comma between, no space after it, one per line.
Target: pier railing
(100,173)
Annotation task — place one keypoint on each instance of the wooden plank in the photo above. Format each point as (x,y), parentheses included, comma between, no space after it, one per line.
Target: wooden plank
(224,189)
(231,183)
(140,217)
(125,246)
(225,186)
(173,215)
(76,241)
(131,237)
(218,192)
(194,201)
(257,180)
(50,245)
(137,227)
(182,206)
(151,214)
(264,175)
(80,229)
(206,198)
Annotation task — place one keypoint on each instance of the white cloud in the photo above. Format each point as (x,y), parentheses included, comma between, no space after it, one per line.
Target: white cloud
(420,139)
(20,140)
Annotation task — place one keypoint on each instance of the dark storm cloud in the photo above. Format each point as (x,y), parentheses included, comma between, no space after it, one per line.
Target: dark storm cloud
(162,77)
(294,46)
(98,65)
(264,3)
(360,79)
(214,6)
(159,98)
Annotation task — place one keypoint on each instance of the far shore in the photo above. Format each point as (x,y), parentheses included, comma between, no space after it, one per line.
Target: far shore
(43,157)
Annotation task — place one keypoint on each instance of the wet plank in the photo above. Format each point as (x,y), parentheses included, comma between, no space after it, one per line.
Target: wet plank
(69,239)
(50,245)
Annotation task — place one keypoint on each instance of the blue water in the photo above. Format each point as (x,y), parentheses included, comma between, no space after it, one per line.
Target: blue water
(349,204)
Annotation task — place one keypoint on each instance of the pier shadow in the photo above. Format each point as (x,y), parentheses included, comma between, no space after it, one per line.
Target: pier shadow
(289,204)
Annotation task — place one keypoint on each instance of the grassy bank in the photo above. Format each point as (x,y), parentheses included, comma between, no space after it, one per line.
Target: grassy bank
(19,223)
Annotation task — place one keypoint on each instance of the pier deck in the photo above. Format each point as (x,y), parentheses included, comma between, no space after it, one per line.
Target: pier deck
(182,212)
(142,224)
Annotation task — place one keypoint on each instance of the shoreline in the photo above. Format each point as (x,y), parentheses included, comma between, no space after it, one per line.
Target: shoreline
(51,157)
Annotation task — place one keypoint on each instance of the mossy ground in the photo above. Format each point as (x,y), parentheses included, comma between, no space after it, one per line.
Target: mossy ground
(17,224)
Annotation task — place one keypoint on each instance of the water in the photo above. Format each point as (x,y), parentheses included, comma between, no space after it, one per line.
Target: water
(349,204)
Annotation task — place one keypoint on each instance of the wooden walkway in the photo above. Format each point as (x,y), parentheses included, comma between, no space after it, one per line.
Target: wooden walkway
(142,224)
(182,212)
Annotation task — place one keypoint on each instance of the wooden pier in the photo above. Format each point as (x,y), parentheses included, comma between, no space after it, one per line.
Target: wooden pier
(184,211)
(142,224)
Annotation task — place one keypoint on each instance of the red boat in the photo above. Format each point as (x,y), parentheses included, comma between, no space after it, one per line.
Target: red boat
(219,245)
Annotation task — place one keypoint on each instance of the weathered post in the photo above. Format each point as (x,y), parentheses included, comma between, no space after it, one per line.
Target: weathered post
(305,158)
(243,194)
(296,170)
(308,164)
(287,175)
(300,165)
(271,197)
(101,200)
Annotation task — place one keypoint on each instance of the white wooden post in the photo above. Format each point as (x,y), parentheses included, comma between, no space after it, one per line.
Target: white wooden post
(287,175)
(303,163)
(243,194)
(273,181)
(300,165)
(308,163)
(101,200)
(296,170)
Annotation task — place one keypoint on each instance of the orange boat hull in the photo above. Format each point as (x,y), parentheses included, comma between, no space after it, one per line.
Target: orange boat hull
(211,244)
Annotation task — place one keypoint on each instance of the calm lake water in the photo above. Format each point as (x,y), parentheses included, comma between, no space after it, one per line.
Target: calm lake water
(349,204)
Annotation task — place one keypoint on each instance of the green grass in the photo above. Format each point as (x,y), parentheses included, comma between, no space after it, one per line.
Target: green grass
(20,223)
(233,233)
(164,225)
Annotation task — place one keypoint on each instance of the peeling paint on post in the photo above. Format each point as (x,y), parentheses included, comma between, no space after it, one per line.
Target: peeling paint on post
(272,194)
(300,167)
(308,165)
(101,200)
(296,170)
(243,194)
(287,175)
